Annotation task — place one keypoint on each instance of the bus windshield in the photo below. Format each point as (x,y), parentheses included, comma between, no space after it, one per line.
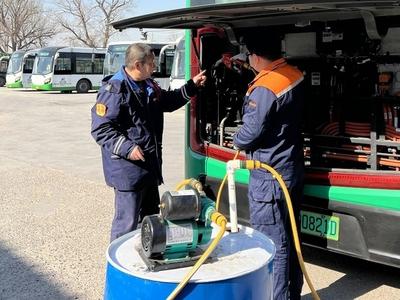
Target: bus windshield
(28,63)
(43,63)
(115,57)
(15,63)
(178,65)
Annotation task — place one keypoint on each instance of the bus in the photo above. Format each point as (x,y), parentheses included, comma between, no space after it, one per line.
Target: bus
(177,78)
(19,70)
(349,52)
(164,53)
(67,69)
(14,70)
(3,69)
(27,67)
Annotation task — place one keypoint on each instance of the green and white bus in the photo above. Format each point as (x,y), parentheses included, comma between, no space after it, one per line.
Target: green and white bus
(3,69)
(164,54)
(14,70)
(27,67)
(177,78)
(68,69)
(349,52)
(20,67)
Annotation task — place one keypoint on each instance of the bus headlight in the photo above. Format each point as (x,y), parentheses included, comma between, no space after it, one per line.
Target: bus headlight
(47,80)
(18,78)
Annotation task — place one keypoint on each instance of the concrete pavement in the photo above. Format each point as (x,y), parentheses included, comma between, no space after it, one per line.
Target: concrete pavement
(55,210)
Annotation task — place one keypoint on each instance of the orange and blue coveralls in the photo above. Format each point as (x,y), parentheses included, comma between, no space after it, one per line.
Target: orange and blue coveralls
(271,133)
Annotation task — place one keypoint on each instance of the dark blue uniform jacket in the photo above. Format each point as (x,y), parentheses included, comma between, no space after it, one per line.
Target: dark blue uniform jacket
(127,114)
(271,133)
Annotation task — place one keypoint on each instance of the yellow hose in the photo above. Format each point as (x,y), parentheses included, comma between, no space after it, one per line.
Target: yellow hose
(251,164)
(220,220)
(222,185)
(194,183)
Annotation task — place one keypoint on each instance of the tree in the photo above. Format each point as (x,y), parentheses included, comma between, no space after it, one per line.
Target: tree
(23,25)
(89,21)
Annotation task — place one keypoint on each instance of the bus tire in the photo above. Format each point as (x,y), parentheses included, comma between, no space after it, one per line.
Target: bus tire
(2,81)
(83,86)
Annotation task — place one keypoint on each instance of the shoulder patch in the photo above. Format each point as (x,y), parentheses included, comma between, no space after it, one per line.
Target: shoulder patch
(101,109)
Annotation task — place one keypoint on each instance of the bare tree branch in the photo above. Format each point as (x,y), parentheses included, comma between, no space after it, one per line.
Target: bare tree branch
(23,25)
(88,22)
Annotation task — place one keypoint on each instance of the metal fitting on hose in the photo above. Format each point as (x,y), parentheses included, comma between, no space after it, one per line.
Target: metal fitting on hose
(218,218)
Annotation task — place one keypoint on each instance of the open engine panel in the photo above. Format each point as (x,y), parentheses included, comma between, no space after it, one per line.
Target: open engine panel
(352,90)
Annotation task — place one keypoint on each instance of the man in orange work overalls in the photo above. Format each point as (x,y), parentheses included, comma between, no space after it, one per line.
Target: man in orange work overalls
(271,133)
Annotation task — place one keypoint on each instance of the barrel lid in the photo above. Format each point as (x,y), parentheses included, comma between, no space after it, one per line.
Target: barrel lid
(237,254)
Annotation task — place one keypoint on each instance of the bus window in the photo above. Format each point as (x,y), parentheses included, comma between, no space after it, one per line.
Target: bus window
(115,58)
(98,63)
(177,78)
(28,64)
(83,63)
(43,63)
(3,65)
(63,64)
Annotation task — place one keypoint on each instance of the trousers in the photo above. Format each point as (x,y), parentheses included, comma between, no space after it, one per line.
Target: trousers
(130,205)
(269,215)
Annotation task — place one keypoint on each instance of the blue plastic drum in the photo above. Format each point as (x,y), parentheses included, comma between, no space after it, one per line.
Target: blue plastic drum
(241,269)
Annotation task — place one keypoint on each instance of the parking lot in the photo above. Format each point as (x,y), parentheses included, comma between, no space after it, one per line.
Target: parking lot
(56,211)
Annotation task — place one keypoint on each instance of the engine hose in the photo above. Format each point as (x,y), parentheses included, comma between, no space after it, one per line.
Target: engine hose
(220,220)
(253,164)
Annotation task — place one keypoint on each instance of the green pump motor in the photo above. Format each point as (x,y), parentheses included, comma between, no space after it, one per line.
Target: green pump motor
(171,238)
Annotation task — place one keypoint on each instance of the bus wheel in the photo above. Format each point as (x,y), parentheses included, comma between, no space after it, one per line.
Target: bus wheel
(83,86)
(2,81)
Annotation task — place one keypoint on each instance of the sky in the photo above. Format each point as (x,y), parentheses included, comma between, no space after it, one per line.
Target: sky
(143,7)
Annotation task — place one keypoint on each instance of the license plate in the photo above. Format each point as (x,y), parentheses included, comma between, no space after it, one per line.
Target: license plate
(320,225)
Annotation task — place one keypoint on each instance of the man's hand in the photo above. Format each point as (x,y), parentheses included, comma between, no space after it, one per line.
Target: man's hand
(200,79)
(137,154)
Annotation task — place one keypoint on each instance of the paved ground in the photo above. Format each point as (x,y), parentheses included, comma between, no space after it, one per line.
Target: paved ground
(55,210)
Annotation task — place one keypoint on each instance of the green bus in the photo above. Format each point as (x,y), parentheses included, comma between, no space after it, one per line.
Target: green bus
(3,69)
(67,69)
(349,52)
(164,54)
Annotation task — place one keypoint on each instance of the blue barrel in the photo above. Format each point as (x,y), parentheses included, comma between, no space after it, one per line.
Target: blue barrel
(241,269)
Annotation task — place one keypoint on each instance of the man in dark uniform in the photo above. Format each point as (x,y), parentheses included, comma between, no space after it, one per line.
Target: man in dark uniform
(271,133)
(127,122)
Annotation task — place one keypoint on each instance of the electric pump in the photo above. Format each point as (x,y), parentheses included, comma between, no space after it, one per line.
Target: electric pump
(171,238)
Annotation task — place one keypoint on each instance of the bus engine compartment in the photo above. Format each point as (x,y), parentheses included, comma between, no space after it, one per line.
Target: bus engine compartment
(352,89)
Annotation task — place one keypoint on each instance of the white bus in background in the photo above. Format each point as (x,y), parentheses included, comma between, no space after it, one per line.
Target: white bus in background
(19,70)
(68,68)
(177,78)
(3,69)
(27,67)
(163,52)
(14,70)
